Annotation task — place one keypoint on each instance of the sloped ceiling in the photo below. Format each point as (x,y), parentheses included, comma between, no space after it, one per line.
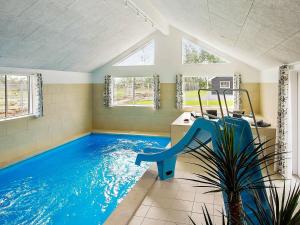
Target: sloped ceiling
(73,35)
(81,35)
(262,33)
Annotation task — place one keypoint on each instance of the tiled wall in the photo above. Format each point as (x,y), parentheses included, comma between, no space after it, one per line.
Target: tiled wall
(146,119)
(73,109)
(136,118)
(67,109)
(269,102)
(254,92)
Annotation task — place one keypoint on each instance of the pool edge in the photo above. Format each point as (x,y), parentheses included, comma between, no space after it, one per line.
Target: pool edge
(129,205)
(155,134)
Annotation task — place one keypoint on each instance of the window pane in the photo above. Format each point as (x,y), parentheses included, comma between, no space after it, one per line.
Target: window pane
(123,91)
(191,87)
(143,91)
(143,56)
(194,54)
(2,96)
(17,95)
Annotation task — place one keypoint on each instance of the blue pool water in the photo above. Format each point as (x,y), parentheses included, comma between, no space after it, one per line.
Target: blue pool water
(80,182)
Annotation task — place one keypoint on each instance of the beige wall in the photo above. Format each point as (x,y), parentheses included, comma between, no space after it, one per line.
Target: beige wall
(68,113)
(269,102)
(146,119)
(67,109)
(254,92)
(136,118)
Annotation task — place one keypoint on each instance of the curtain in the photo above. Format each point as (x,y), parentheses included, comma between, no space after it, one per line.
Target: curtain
(282,120)
(237,98)
(107,91)
(156,92)
(179,91)
(38,103)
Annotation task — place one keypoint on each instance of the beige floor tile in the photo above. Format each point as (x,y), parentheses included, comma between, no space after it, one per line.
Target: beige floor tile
(142,211)
(147,201)
(169,215)
(169,185)
(198,218)
(173,204)
(218,220)
(171,223)
(187,187)
(218,210)
(148,221)
(179,216)
(204,198)
(162,193)
(186,195)
(204,190)
(158,213)
(136,220)
(197,208)
(218,199)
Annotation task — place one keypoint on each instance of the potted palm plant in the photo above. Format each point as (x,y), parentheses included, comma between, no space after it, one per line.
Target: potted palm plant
(232,170)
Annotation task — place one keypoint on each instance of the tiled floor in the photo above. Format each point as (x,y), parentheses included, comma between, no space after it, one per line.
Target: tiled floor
(172,202)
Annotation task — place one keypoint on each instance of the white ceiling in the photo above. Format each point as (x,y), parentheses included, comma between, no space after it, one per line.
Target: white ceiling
(74,35)
(81,35)
(262,33)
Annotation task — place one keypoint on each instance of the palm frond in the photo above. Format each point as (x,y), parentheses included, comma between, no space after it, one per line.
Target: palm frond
(280,209)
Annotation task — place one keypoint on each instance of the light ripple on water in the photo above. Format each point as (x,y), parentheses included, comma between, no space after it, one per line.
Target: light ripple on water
(81,183)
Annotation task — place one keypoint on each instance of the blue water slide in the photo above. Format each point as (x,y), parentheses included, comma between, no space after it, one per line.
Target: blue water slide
(207,130)
(202,129)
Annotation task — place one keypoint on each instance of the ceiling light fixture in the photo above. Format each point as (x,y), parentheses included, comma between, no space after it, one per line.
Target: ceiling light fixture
(139,12)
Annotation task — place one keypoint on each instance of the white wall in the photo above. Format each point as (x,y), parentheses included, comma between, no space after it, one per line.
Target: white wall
(52,76)
(168,62)
(269,75)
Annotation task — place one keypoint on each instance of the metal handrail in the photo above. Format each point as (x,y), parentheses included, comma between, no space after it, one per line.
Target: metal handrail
(219,100)
(251,108)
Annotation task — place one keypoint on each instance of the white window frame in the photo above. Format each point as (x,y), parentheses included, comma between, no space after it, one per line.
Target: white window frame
(119,63)
(114,103)
(183,53)
(30,98)
(192,107)
(226,82)
(293,155)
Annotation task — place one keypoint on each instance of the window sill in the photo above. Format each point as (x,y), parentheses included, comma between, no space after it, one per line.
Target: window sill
(16,117)
(146,106)
(205,107)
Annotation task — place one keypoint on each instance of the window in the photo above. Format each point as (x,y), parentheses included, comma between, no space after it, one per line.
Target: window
(224,84)
(133,91)
(195,54)
(15,95)
(191,85)
(141,57)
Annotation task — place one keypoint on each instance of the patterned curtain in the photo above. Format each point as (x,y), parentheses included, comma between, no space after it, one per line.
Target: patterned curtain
(156,92)
(107,91)
(179,91)
(282,120)
(38,104)
(237,98)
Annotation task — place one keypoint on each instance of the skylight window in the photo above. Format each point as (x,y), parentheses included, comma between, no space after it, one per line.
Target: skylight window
(141,57)
(195,54)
